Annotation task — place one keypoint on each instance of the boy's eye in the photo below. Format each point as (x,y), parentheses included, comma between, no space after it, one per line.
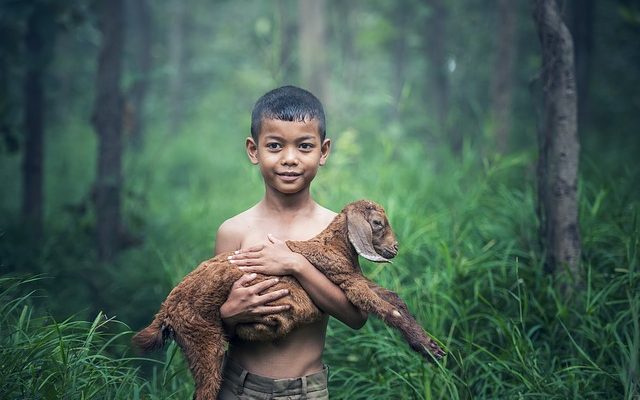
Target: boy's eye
(273,146)
(306,146)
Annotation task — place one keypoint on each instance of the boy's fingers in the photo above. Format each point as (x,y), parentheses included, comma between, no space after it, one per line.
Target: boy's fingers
(247,262)
(244,279)
(273,296)
(242,256)
(264,285)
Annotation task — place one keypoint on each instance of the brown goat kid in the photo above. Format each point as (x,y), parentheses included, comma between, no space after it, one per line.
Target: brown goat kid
(191,312)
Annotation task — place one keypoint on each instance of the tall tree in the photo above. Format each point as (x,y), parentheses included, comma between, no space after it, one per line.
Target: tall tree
(435,47)
(107,121)
(313,49)
(11,40)
(501,90)
(141,23)
(558,145)
(39,38)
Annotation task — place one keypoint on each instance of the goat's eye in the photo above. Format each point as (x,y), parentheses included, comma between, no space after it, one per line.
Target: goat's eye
(377,223)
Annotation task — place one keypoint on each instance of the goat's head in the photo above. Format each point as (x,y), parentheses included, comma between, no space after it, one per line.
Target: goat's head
(370,232)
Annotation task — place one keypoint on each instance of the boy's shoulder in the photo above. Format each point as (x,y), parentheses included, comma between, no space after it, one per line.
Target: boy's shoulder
(230,233)
(324,214)
(240,222)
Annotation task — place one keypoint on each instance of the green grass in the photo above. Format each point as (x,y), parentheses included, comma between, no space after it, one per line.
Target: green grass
(474,278)
(73,359)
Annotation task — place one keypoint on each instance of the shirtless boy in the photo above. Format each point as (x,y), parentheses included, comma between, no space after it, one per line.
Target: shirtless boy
(288,144)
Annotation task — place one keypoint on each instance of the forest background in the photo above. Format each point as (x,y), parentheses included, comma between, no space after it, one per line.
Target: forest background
(434,109)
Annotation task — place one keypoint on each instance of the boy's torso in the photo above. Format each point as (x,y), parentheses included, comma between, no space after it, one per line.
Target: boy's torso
(300,352)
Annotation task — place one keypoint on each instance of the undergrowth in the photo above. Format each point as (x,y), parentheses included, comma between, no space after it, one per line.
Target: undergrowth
(469,267)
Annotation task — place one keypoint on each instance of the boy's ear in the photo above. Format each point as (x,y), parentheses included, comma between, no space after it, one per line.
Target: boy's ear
(252,150)
(325,149)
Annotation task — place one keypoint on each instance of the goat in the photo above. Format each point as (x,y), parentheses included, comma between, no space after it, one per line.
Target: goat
(191,312)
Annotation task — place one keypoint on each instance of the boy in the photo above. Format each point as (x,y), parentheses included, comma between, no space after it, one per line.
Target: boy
(288,144)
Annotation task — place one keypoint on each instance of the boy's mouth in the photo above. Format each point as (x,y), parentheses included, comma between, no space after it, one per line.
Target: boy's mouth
(288,175)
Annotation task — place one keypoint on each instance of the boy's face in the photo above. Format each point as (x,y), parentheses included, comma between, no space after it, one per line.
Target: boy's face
(289,153)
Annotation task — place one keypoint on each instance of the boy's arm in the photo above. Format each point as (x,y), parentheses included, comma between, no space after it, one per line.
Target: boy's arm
(276,258)
(245,302)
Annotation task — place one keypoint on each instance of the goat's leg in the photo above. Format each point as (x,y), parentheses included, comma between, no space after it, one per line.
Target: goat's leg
(414,334)
(204,350)
(388,306)
(390,297)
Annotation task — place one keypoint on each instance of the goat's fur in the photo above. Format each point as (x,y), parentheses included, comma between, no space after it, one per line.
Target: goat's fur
(191,312)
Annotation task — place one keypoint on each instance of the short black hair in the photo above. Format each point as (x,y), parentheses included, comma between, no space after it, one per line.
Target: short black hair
(288,103)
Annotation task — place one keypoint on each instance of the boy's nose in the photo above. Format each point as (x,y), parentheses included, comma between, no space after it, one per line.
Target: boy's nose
(289,158)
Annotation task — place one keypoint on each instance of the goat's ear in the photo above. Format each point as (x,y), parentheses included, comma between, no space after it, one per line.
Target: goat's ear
(361,237)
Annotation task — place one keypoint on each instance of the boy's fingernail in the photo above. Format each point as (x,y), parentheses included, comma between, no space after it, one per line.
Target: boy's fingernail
(229,258)
(242,268)
(276,279)
(236,252)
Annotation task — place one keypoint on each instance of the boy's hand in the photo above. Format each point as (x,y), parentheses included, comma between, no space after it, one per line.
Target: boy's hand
(247,303)
(273,258)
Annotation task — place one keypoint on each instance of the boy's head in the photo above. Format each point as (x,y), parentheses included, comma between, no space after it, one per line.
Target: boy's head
(287,103)
(288,139)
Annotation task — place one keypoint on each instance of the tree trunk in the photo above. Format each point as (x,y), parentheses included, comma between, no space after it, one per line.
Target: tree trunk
(177,58)
(107,121)
(141,39)
(559,146)
(501,90)
(435,43)
(39,39)
(312,43)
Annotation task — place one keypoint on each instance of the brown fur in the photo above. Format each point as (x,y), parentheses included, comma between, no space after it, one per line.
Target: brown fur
(191,312)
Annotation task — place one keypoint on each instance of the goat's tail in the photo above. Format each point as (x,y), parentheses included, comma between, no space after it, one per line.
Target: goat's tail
(152,337)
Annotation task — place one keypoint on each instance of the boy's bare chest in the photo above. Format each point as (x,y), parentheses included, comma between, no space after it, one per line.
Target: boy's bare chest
(256,231)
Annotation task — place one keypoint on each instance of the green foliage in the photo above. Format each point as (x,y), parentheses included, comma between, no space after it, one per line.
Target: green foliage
(468,268)
(46,359)
(473,277)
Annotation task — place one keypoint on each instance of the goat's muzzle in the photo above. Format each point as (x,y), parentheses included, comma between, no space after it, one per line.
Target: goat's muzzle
(389,252)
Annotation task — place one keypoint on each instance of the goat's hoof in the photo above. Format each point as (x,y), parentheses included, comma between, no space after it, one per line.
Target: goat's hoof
(433,351)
